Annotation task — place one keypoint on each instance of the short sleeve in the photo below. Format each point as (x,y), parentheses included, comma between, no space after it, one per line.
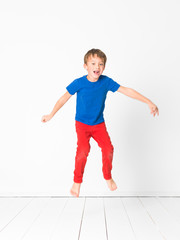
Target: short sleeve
(112,85)
(73,87)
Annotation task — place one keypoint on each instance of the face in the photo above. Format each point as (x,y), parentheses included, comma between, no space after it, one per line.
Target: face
(95,67)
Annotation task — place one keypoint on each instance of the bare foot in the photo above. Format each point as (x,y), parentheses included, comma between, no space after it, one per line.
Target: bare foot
(75,189)
(111,184)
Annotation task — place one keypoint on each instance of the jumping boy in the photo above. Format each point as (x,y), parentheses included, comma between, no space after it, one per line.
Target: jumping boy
(91,92)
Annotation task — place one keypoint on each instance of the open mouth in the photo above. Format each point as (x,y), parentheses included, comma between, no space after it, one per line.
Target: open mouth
(96,72)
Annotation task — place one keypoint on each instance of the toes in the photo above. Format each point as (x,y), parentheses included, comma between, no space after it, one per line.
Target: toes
(114,187)
(74,193)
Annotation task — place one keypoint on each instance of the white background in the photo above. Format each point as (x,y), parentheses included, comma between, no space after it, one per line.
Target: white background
(42,46)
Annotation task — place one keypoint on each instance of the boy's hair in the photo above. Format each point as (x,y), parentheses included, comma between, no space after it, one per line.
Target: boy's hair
(94,51)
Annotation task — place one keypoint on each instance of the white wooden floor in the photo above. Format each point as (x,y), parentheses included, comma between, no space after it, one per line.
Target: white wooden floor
(90,218)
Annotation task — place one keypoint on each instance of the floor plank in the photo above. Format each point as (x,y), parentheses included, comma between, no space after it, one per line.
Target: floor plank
(165,223)
(46,222)
(93,224)
(17,228)
(68,225)
(142,224)
(118,224)
(10,208)
(171,205)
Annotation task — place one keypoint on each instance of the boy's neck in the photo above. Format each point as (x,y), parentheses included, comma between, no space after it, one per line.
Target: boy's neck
(92,79)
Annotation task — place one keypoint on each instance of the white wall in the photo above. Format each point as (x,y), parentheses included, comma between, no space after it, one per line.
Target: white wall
(42,46)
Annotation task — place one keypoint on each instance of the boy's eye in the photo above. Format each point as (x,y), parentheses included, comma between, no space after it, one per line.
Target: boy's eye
(100,63)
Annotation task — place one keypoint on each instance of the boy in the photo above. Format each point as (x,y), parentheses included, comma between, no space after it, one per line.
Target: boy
(89,121)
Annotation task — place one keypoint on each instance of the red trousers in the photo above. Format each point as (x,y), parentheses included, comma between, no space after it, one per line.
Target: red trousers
(100,135)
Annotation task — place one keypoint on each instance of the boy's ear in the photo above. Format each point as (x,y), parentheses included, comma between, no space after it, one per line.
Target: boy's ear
(85,66)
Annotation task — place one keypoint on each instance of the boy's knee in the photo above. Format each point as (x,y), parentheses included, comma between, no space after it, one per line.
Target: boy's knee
(108,149)
(83,150)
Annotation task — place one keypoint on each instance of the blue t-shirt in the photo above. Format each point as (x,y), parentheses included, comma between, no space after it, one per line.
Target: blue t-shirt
(91,96)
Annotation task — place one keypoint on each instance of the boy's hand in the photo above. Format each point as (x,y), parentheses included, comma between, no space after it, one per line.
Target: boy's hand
(46,118)
(154,108)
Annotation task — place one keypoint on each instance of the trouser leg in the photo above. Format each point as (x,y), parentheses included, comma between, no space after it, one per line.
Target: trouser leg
(101,136)
(83,149)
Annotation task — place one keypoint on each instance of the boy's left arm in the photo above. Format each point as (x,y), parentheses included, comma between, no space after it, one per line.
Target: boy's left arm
(134,94)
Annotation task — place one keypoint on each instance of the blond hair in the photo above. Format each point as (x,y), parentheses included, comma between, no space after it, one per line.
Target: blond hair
(94,51)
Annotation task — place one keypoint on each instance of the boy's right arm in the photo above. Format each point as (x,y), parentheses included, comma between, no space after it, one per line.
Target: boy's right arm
(63,99)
